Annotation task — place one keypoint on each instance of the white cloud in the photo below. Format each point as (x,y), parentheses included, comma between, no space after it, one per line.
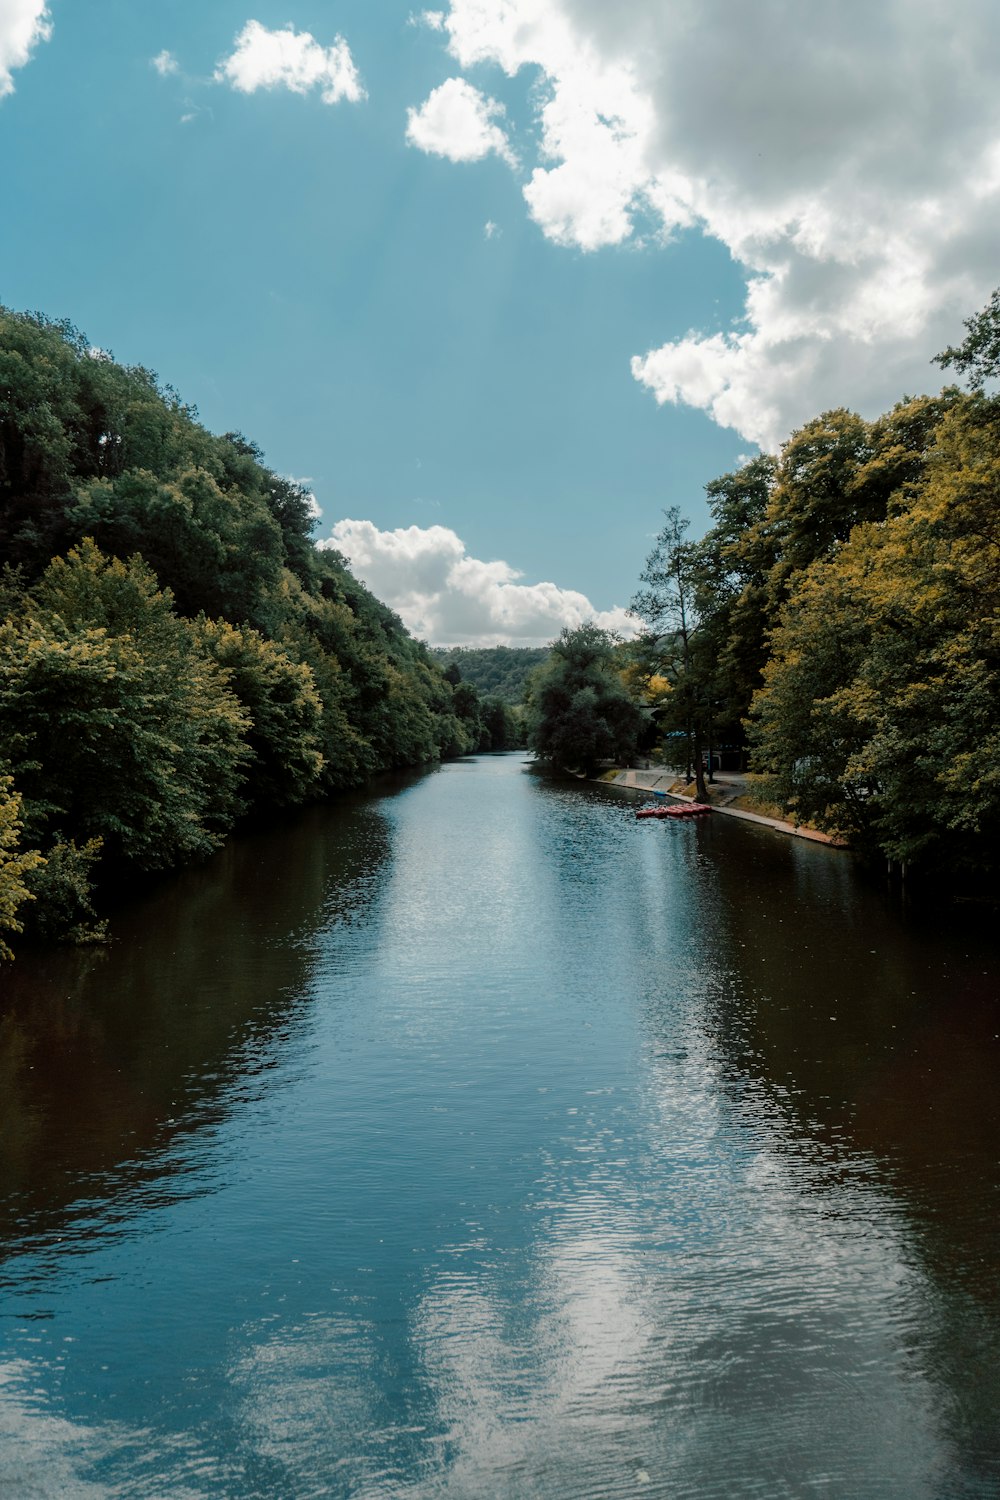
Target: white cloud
(293,60)
(44,1452)
(23,24)
(847,156)
(457,121)
(491,231)
(449,598)
(165,63)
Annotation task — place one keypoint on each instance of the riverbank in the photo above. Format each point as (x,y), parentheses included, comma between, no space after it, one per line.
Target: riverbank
(727,789)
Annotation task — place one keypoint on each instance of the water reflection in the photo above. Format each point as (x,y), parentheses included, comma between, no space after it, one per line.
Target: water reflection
(529,1151)
(870,1043)
(108,1057)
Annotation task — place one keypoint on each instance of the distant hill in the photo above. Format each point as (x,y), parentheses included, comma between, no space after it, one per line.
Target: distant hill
(495,671)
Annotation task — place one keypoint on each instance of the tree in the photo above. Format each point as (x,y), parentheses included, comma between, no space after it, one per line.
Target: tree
(731,588)
(283,708)
(503,725)
(978,355)
(496,671)
(16,864)
(136,735)
(62,891)
(880,712)
(219,552)
(810,720)
(676,646)
(114,722)
(579,712)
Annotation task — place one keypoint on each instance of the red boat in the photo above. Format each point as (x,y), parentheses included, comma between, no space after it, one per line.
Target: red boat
(675,810)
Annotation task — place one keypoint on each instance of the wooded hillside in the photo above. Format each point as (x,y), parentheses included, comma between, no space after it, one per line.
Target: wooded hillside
(498,671)
(174,650)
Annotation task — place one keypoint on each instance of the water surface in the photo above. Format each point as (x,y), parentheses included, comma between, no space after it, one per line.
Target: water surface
(472,1139)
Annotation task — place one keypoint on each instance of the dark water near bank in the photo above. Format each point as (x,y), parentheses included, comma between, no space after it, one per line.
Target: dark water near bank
(472,1139)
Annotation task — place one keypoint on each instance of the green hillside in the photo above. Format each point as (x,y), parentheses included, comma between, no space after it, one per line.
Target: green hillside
(496,671)
(175,653)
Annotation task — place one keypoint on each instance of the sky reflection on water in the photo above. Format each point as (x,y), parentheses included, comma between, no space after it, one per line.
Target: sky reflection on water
(473,1139)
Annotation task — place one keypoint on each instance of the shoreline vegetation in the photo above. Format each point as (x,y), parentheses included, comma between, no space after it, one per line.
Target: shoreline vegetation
(836,632)
(733,796)
(177,656)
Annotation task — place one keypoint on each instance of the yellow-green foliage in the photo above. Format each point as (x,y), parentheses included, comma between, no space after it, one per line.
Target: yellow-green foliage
(15,863)
(283,707)
(841,620)
(115,722)
(880,710)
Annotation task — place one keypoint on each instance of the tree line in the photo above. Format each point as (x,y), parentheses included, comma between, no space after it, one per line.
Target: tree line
(496,671)
(175,652)
(838,626)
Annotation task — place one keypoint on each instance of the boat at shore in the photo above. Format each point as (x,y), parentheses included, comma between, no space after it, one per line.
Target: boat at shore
(674,810)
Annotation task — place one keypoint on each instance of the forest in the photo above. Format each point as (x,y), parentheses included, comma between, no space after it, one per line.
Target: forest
(496,671)
(176,654)
(838,626)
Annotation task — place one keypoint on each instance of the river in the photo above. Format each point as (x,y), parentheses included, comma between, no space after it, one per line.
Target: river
(470,1138)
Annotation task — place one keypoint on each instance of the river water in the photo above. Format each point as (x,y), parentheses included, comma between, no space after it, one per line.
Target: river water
(472,1139)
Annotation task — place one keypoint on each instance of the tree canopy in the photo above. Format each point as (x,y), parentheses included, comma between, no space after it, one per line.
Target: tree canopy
(495,671)
(978,355)
(840,620)
(580,711)
(174,650)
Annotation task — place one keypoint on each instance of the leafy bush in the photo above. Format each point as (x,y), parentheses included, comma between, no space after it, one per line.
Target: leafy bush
(16,865)
(62,888)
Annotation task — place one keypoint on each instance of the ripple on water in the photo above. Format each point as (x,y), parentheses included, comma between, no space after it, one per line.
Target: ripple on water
(473,1139)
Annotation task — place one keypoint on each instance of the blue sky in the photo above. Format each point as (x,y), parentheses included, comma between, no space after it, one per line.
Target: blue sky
(503,279)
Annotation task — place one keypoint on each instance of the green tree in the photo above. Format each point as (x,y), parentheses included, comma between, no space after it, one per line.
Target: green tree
(114,722)
(579,712)
(880,713)
(731,577)
(677,646)
(62,889)
(283,709)
(16,864)
(289,502)
(347,756)
(978,355)
(219,552)
(495,671)
(834,473)
(503,725)
(126,722)
(811,718)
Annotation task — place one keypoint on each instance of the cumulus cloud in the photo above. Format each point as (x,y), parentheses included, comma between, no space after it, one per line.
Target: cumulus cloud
(451,599)
(165,63)
(457,121)
(847,156)
(263,59)
(23,24)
